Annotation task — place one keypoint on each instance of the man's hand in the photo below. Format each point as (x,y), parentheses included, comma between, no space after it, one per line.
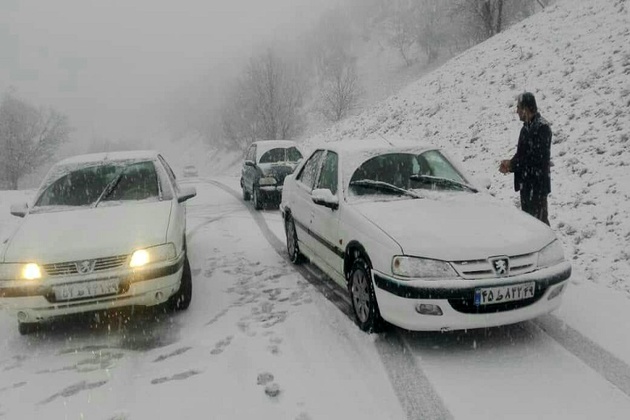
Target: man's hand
(505,166)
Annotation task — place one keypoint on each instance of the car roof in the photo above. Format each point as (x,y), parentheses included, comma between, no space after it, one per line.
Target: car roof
(113,156)
(372,146)
(263,146)
(275,143)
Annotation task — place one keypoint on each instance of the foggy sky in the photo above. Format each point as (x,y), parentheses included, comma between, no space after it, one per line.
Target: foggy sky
(106,63)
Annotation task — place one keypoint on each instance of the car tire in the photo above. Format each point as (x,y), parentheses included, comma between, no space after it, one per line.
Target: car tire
(26,328)
(181,299)
(293,249)
(246,196)
(363,298)
(256,199)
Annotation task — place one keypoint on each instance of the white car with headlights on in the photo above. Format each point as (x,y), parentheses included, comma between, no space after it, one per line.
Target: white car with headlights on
(103,231)
(416,244)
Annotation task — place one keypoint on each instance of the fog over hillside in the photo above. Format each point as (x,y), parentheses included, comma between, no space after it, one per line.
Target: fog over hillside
(575,56)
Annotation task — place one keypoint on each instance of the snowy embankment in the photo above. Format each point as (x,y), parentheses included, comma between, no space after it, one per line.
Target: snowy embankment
(575,57)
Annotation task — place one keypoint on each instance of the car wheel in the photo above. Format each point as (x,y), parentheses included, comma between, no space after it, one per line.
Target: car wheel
(258,205)
(26,328)
(293,248)
(181,299)
(246,195)
(363,299)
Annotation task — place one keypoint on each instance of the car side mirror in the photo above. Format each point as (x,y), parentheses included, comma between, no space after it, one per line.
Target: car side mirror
(250,163)
(186,193)
(19,209)
(324,197)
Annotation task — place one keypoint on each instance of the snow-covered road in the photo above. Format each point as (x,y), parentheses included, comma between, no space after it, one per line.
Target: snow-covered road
(266,339)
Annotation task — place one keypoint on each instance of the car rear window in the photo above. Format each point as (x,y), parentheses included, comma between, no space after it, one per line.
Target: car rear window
(281,154)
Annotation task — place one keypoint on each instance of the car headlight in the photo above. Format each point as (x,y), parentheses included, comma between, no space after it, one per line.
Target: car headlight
(142,257)
(550,255)
(20,271)
(268,180)
(421,268)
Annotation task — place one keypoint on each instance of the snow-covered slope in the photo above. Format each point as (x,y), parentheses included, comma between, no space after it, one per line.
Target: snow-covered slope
(575,56)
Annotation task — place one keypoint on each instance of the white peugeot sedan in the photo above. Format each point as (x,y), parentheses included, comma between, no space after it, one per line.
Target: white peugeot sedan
(403,228)
(103,231)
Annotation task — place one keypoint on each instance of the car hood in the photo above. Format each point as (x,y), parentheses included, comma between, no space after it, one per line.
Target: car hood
(459,227)
(88,233)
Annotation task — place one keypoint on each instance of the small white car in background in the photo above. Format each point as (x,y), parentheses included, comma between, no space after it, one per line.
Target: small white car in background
(104,231)
(190,171)
(401,226)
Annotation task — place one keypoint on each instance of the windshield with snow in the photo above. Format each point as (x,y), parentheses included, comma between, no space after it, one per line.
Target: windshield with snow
(106,182)
(405,173)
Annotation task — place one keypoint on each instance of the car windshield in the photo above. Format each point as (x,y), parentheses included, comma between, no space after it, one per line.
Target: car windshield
(405,174)
(281,154)
(105,182)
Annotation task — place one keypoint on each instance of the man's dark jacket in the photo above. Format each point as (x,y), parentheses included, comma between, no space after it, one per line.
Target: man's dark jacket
(531,163)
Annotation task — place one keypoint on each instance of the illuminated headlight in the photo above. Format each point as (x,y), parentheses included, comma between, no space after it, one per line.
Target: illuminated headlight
(268,180)
(550,255)
(142,257)
(421,268)
(30,271)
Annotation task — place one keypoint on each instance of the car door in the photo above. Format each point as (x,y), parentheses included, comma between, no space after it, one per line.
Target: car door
(248,173)
(324,227)
(302,205)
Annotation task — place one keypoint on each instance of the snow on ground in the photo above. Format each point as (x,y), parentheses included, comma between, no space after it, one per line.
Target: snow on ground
(241,350)
(575,57)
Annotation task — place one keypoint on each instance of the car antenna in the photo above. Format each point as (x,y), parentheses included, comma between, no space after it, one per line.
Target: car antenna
(388,142)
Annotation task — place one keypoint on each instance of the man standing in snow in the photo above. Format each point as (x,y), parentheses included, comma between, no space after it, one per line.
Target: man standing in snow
(531,163)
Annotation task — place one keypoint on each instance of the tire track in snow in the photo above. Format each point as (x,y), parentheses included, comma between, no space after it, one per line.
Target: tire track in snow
(593,355)
(412,387)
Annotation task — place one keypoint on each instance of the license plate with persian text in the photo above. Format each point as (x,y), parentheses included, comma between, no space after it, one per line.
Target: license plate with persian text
(86,289)
(501,294)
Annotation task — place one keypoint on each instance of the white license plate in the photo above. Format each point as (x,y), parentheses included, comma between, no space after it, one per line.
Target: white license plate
(492,295)
(86,289)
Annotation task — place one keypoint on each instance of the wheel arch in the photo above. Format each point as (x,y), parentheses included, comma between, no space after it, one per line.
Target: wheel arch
(354,250)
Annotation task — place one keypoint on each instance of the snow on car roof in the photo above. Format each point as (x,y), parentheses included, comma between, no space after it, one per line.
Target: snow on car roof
(110,156)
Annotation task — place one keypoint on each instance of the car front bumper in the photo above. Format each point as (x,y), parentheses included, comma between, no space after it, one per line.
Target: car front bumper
(36,301)
(399,300)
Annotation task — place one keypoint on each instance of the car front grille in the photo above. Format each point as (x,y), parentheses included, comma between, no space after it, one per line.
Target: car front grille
(481,269)
(69,268)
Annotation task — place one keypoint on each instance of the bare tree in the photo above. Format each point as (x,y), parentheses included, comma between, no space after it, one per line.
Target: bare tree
(29,137)
(431,26)
(340,88)
(402,33)
(489,17)
(266,103)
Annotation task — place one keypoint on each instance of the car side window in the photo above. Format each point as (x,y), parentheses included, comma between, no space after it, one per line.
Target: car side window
(328,174)
(308,174)
(251,153)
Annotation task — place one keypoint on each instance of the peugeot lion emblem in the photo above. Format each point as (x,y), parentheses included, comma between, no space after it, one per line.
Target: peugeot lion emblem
(501,266)
(85,267)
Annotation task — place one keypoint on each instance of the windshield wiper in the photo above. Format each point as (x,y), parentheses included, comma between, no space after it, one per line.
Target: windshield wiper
(440,180)
(380,185)
(109,188)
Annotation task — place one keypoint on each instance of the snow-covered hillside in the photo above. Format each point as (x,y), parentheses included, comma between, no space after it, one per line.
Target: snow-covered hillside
(575,56)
